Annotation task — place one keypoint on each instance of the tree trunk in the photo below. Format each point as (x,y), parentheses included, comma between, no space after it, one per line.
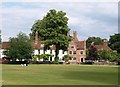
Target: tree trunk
(56,53)
(43,50)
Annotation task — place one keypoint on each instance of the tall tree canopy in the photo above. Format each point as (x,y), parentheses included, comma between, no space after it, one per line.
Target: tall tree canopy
(53,29)
(96,40)
(114,42)
(20,47)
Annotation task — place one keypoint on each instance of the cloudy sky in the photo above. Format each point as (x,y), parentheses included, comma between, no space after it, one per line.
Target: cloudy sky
(98,19)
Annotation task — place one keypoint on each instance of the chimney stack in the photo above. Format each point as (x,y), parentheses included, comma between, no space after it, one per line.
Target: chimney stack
(36,37)
(75,35)
(105,43)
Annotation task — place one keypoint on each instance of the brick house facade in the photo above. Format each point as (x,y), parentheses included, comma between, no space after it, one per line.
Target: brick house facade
(76,49)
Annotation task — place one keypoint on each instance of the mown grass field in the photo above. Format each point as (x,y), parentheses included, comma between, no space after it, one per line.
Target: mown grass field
(59,75)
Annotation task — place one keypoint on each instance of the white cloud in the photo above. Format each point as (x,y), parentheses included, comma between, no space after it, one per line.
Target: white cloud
(60,1)
(86,18)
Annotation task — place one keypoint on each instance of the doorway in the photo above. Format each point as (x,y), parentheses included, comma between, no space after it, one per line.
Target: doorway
(81,60)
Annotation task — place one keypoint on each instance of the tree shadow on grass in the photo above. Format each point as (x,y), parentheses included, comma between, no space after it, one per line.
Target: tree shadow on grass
(103,78)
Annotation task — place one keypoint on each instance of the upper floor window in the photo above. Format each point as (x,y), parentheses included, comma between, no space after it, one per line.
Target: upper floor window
(74,52)
(81,52)
(42,45)
(74,58)
(39,51)
(70,52)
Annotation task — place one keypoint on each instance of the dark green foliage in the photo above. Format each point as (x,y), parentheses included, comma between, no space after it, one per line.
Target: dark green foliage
(109,55)
(20,47)
(66,58)
(53,29)
(96,40)
(42,56)
(46,56)
(93,54)
(114,42)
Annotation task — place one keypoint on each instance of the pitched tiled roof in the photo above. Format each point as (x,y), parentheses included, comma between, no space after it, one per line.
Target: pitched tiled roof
(102,47)
(80,45)
(5,45)
(38,45)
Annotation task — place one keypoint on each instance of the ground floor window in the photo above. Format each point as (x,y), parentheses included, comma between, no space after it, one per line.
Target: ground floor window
(70,58)
(74,58)
(70,52)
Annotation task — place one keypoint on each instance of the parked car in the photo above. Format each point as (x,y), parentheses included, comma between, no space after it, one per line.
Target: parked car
(88,61)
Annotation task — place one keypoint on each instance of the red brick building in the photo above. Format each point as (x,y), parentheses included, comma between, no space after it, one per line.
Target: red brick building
(77,50)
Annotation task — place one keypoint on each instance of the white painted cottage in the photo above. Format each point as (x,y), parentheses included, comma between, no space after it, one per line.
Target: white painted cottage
(39,49)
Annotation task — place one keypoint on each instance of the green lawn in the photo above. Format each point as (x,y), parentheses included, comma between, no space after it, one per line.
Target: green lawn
(59,75)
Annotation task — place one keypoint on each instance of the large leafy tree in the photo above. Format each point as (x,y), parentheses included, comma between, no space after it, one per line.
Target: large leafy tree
(20,47)
(53,29)
(96,40)
(114,42)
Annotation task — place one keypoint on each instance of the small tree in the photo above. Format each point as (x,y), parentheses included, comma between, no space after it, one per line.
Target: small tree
(20,47)
(104,55)
(93,54)
(34,58)
(66,58)
(46,56)
(38,56)
(109,55)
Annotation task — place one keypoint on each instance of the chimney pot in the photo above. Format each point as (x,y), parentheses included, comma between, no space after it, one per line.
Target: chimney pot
(105,43)
(75,35)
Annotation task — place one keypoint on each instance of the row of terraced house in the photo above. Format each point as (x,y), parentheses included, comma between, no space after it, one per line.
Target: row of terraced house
(76,50)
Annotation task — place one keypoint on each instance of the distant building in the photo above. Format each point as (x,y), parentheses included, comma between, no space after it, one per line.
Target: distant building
(103,46)
(76,49)
(39,49)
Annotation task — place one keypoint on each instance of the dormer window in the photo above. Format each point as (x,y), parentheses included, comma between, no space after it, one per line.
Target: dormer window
(51,45)
(42,45)
(72,46)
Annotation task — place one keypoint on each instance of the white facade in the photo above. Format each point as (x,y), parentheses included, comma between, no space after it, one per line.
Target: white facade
(1,53)
(36,51)
(61,53)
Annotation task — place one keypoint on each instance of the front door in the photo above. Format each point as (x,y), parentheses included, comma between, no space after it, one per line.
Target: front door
(82,60)
(50,58)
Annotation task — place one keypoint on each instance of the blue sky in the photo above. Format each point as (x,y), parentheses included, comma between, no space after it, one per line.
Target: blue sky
(98,19)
